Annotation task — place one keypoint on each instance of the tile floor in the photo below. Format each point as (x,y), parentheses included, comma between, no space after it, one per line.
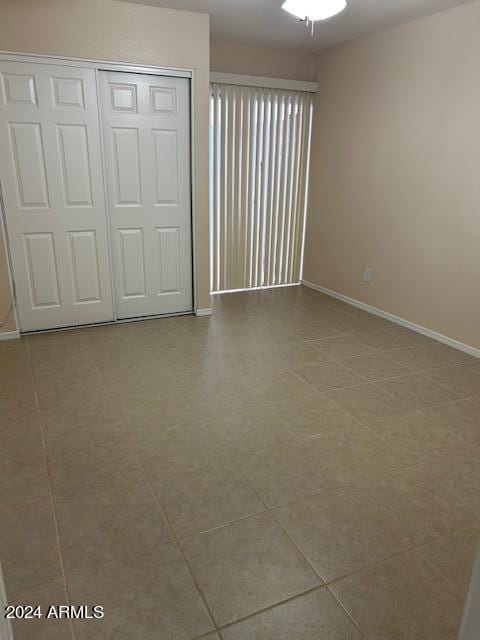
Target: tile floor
(291,468)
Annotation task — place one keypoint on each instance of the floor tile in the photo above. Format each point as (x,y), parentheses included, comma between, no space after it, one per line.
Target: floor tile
(461,417)
(44,595)
(156,412)
(460,472)
(375,367)
(417,391)
(304,468)
(81,466)
(415,434)
(206,497)
(419,359)
(313,616)
(367,402)
(284,473)
(328,376)
(401,599)
(380,340)
(340,533)
(209,398)
(247,566)
(154,593)
(341,347)
(457,379)
(453,556)
(417,505)
(164,450)
(276,385)
(28,546)
(109,525)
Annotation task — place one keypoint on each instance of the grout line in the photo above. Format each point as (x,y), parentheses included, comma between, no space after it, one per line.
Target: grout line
(52,500)
(162,511)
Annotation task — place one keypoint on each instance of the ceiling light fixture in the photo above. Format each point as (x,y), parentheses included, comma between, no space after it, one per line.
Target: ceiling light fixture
(309,11)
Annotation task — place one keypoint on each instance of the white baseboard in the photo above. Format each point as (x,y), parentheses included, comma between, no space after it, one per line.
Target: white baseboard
(9,335)
(203,312)
(456,344)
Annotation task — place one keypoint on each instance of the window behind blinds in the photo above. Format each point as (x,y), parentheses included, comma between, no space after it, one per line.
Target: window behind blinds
(260,142)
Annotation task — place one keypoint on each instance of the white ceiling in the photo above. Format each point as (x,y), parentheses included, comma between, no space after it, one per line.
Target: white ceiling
(263,22)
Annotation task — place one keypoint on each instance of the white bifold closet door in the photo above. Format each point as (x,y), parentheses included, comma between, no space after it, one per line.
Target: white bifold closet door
(146,128)
(52,187)
(259,168)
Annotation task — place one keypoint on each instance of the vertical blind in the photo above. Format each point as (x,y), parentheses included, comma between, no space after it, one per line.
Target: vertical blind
(260,141)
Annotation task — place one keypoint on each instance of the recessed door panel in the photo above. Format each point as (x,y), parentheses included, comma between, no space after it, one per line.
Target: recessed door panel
(52,184)
(169,260)
(146,128)
(126,160)
(20,88)
(29,164)
(75,163)
(133,263)
(68,92)
(166,169)
(42,269)
(85,271)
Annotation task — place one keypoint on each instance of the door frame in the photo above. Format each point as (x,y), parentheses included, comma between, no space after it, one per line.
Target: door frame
(107,65)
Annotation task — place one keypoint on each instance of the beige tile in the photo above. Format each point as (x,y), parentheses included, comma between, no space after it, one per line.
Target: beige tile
(459,471)
(339,532)
(419,359)
(461,417)
(454,356)
(375,367)
(415,434)
(23,469)
(98,421)
(313,616)
(164,450)
(276,385)
(80,466)
(453,556)
(413,337)
(328,376)
(44,595)
(401,599)
(284,473)
(276,422)
(156,412)
(380,340)
(247,566)
(304,468)
(417,505)
(109,525)
(28,545)
(367,402)
(417,391)
(289,356)
(217,396)
(153,593)
(251,428)
(341,348)
(458,379)
(475,398)
(205,497)
(315,330)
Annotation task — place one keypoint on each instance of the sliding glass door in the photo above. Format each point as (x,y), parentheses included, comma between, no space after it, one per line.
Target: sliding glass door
(259,166)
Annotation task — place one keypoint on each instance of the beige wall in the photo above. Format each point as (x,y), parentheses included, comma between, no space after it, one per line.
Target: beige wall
(119,31)
(261,61)
(395,179)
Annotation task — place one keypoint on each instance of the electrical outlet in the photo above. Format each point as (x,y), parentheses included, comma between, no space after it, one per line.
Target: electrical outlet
(367,274)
